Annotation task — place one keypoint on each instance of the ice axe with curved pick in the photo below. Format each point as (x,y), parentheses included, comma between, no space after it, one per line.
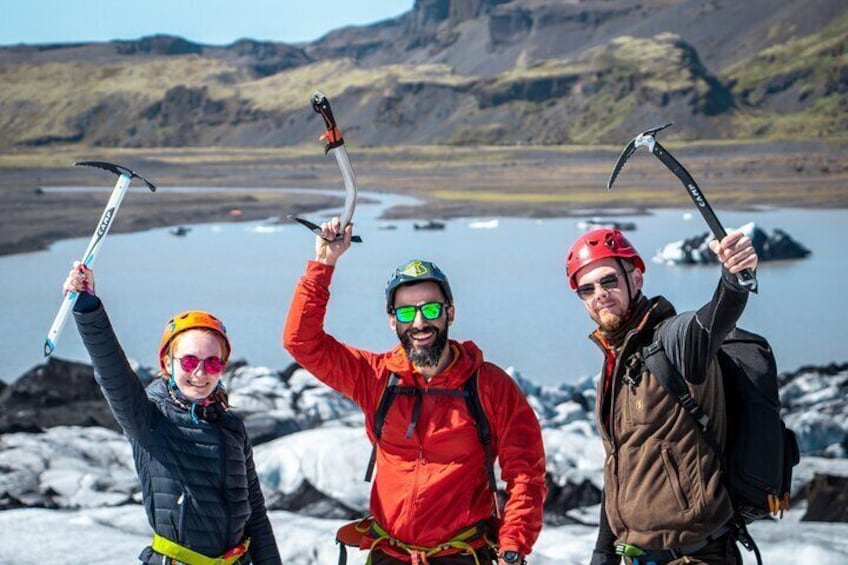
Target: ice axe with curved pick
(647,138)
(125,175)
(334,142)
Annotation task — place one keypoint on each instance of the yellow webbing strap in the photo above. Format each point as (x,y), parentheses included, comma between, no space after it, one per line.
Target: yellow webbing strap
(188,556)
(420,554)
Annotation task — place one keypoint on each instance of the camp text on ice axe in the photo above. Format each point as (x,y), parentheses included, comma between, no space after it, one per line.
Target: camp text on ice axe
(106,219)
(647,138)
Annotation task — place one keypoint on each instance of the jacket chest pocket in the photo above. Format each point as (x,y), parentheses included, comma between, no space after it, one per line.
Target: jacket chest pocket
(639,403)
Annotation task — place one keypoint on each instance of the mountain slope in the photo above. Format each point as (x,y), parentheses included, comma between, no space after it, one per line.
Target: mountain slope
(455,71)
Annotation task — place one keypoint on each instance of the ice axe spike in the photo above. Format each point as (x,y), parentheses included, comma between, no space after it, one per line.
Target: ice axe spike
(747,278)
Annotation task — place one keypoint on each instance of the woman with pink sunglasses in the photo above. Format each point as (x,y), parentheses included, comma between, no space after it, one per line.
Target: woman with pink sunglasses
(192,454)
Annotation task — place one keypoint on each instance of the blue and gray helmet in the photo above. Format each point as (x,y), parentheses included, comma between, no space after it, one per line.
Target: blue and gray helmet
(412,272)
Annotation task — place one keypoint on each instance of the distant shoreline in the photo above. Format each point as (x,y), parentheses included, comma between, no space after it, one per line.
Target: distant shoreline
(451,182)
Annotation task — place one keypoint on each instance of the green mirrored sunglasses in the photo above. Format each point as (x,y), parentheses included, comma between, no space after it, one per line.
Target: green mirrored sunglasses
(429,310)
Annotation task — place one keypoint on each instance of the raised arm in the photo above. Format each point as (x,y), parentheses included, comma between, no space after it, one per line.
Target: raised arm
(120,385)
(346,369)
(692,339)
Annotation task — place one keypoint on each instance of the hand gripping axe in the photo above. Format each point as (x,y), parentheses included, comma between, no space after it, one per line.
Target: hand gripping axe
(647,138)
(124,177)
(334,142)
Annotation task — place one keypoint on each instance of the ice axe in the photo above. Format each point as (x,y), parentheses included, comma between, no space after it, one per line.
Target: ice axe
(647,138)
(334,142)
(124,177)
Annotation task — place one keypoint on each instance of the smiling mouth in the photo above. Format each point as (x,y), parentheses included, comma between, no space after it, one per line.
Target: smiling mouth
(423,336)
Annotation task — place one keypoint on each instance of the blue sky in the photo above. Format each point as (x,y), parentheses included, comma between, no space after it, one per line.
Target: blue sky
(215,22)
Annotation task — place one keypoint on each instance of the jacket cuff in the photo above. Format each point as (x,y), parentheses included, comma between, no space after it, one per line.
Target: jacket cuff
(86,303)
(319,273)
(510,545)
(731,282)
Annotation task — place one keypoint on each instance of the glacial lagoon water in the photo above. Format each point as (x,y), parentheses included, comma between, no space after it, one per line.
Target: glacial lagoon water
(507,276)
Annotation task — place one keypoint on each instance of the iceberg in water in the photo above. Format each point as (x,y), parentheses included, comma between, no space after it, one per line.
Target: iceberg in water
(696,251)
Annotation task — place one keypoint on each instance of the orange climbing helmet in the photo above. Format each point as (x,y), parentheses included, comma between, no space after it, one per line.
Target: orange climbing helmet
(191,320)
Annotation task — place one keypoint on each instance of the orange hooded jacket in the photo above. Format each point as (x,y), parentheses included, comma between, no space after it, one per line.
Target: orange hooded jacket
(429,487)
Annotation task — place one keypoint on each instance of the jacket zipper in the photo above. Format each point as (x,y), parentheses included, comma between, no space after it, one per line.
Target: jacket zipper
(413,510)
(621,355)
(223,475)
(182,502)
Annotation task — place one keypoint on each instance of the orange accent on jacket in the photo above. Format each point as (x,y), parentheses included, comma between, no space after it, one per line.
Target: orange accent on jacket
(432,485)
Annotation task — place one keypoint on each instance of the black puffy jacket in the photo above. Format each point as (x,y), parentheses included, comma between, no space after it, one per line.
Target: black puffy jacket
(198,480)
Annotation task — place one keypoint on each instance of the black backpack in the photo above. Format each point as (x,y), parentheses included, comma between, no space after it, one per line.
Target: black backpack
(760,450)
(472,400)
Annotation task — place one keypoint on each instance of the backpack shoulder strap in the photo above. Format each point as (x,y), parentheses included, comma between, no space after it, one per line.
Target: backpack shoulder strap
(673,382)
(389,395)
(484,432)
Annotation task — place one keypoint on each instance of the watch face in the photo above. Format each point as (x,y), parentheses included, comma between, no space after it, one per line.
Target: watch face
(511,556)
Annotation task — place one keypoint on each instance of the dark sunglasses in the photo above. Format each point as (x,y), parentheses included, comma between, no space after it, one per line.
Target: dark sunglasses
(211,365)
(607,282)
(430,311)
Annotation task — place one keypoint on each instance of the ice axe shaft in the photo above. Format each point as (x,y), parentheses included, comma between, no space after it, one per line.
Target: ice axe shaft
(747,277)
(106,218)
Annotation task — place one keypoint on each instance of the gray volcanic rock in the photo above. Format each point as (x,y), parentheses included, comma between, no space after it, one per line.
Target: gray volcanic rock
(57,393)
(815,406)
(827,499)
(311,449)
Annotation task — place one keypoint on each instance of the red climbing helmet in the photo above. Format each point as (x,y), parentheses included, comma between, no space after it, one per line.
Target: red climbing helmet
(599,244)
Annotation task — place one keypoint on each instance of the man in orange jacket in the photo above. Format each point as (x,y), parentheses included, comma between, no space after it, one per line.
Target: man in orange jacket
(431,501)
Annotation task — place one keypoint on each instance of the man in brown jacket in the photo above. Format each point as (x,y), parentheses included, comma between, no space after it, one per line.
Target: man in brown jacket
(663,498)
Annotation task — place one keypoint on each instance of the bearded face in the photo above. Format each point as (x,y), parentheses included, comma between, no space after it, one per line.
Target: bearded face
(423,345)
(424,340)
(603,287)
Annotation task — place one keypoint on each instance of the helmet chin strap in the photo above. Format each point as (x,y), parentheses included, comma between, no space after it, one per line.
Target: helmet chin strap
(626,281)
(172,381)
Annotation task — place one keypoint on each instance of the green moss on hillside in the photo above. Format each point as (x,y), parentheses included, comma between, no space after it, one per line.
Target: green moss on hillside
(797,88)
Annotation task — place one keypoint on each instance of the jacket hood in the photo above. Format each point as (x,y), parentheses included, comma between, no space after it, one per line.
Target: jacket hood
(467,359)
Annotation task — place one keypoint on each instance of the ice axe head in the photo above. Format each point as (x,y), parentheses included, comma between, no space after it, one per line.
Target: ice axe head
(332,136)
(646,138)
(117,169)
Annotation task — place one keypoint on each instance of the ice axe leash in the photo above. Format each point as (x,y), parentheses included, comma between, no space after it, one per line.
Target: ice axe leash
(124,177)
(648,139)
(333,141)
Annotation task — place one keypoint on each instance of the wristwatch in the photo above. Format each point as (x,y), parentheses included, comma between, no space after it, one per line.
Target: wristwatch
(511,557)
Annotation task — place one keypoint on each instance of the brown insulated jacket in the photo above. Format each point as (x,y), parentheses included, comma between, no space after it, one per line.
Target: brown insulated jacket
(662,486)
